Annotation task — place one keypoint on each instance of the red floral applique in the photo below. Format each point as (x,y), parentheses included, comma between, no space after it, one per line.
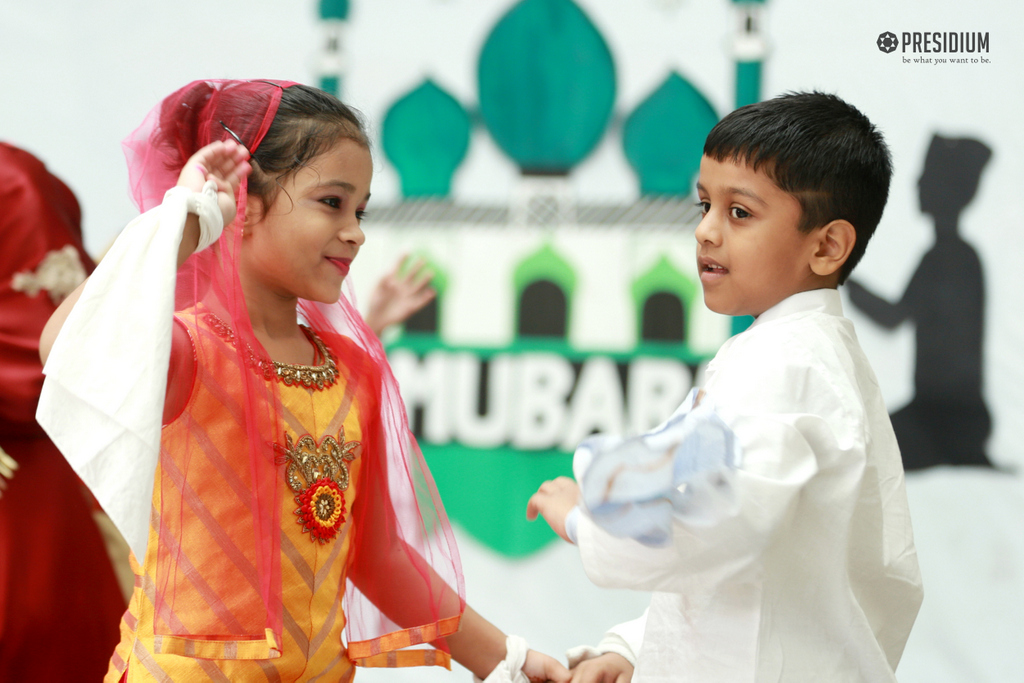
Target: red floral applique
(321,510)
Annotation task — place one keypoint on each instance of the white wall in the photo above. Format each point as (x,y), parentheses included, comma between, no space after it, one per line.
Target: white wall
(77,77)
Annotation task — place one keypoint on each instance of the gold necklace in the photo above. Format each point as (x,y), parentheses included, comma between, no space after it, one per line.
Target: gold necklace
(319,376)
(310,376)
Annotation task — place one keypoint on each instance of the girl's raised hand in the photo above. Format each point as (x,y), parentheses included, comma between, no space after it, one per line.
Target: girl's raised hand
(224,162)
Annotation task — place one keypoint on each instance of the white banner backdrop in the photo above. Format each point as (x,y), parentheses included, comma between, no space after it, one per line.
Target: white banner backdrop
(79,76)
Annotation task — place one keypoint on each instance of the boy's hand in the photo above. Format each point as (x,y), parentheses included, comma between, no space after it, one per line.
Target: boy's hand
(554,500)
(608,668)
(540,667)
(225,163)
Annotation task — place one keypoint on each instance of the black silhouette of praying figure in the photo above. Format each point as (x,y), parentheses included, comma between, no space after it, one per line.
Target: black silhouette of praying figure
(947,421)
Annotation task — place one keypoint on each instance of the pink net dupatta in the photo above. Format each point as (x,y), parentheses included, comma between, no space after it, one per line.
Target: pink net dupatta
(217,514)
(405,585)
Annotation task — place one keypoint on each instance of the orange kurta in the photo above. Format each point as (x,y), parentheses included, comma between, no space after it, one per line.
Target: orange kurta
(316,427)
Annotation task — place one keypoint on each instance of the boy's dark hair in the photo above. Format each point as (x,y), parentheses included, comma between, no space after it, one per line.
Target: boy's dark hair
(308,122)
(819,149)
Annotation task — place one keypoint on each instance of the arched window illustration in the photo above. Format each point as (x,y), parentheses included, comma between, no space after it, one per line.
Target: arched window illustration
(544,283)
(543,310)
(427,320)
(665,299)
(423,321)
(663,318)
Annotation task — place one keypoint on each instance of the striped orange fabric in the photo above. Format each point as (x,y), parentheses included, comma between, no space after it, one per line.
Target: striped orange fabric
(312,573)
(391,660)
(366,649)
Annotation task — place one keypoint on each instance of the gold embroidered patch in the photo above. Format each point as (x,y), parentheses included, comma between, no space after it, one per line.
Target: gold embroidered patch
(318,474)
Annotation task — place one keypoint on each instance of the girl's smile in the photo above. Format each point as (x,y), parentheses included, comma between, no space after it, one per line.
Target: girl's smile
(341,264)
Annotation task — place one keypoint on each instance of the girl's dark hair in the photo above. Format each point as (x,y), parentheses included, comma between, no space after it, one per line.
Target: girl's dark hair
(308,123)
(819,149)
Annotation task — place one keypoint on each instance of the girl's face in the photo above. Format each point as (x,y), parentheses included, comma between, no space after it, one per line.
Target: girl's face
(303,244)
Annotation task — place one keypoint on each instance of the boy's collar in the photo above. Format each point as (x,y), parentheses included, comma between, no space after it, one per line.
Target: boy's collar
(823,300)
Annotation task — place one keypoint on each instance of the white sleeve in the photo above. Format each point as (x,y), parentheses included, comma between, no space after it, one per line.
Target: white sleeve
(572,522)
(634,487)
(782,434)
(623,639)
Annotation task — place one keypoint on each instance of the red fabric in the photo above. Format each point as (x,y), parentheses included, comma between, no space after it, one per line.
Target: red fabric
(38,214)
(405,563)
(59,600)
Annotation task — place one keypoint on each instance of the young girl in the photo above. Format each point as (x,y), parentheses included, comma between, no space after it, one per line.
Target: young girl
(288,502)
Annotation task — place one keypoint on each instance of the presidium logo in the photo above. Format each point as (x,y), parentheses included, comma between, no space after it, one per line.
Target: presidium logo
(954,46)
(887,42)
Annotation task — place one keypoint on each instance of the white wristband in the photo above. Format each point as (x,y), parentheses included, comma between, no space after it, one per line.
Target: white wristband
(211,221)
(204,205)
(510,670)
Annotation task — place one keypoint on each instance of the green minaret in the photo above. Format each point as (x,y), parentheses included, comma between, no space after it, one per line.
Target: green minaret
(426,135)
(749,50)
(333,19)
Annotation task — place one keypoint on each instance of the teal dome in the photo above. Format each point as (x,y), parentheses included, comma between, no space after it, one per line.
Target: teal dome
(334,9)
(664,137)
(426,135)
(547,85)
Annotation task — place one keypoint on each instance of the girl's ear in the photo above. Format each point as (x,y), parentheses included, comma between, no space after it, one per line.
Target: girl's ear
(253,214)
(833,246)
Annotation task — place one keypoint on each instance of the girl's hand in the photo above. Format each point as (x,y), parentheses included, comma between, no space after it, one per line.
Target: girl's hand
(540,667)
(225,163)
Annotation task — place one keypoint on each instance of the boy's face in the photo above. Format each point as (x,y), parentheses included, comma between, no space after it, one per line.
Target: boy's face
(750,252)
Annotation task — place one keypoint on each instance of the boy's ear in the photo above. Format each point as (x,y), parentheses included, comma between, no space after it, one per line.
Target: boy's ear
(834,243)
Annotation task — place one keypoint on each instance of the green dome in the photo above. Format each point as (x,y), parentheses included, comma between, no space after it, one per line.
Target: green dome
(334,9)
(426,135)
(664,137)
(547,85)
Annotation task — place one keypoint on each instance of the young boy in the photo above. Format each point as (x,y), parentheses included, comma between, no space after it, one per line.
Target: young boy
(812,575)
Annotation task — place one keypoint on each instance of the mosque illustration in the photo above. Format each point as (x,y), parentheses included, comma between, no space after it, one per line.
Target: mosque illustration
(554,319)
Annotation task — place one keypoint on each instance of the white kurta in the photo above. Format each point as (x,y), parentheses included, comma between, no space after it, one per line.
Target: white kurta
(814,577)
